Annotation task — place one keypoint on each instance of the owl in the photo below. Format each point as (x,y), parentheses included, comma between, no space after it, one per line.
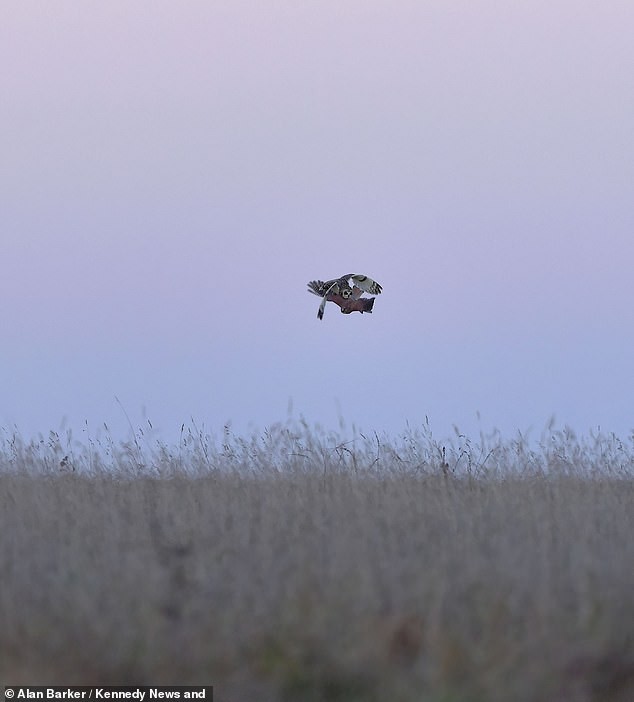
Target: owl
(347,296)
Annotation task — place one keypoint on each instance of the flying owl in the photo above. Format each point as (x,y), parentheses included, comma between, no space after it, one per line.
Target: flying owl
(347,296)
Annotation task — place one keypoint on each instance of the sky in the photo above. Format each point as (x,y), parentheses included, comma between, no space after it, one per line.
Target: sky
(174,173)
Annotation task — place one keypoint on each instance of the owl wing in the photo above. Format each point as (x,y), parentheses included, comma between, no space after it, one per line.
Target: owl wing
(316,287)
(366,284)
(323,290)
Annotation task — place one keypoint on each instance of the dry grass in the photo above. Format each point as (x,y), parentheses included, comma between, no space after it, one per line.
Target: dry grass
(299,566)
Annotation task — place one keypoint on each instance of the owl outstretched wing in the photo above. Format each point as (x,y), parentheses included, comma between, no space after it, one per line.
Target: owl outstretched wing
(366,284)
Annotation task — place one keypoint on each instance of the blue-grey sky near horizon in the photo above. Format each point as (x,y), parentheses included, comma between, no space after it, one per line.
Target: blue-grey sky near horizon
(174,173)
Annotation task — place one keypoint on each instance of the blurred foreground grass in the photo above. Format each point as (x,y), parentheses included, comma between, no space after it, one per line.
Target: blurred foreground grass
(300,565)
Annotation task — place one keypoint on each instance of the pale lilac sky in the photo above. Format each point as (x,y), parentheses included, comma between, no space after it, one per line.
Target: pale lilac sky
(173,173)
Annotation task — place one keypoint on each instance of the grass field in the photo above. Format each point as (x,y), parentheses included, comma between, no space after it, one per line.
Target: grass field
(300,565)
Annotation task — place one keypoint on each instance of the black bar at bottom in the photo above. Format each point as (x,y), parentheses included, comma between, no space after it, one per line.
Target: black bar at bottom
(110,693)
